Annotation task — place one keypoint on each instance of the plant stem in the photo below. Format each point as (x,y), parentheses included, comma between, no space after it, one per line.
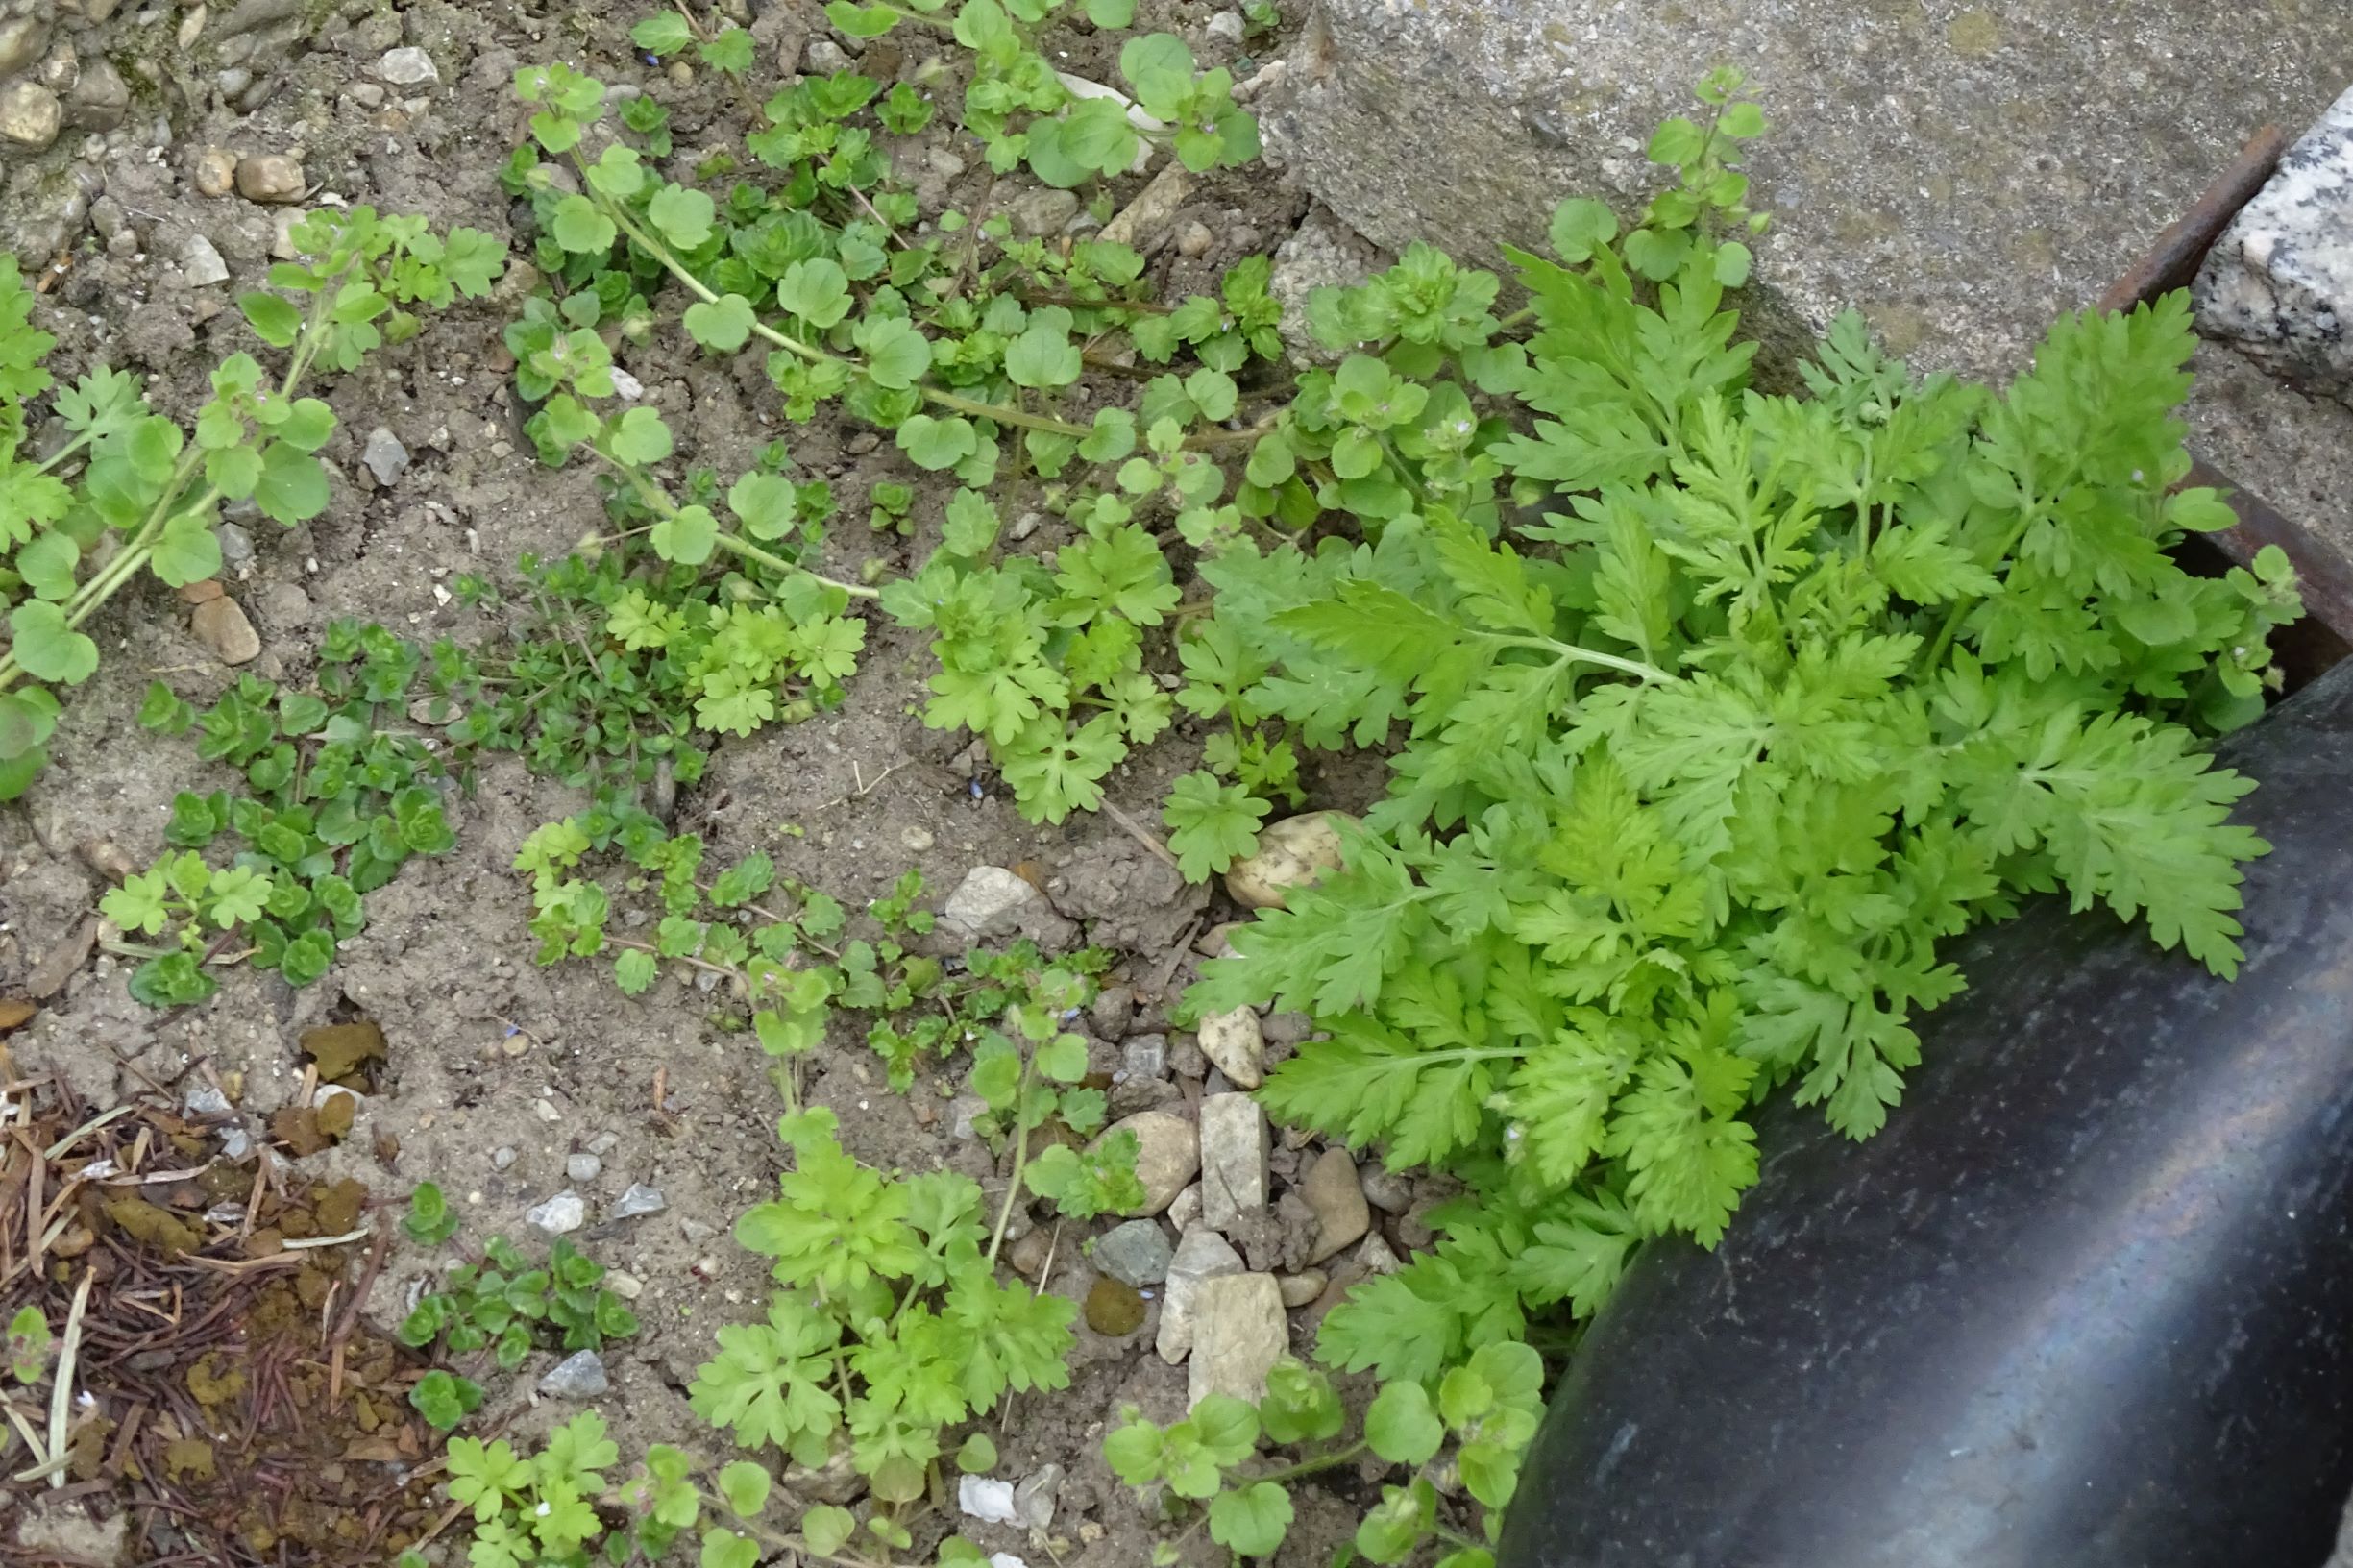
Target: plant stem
(941,398)
(1322,1461)
(1020,1154)
(658,499)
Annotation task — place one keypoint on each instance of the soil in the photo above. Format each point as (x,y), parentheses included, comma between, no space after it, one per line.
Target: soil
(497,1069)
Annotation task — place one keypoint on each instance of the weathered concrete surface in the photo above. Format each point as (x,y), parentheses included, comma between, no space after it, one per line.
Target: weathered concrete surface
(1961,173)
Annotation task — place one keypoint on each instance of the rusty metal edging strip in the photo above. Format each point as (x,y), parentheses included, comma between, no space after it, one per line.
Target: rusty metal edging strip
(2322,572)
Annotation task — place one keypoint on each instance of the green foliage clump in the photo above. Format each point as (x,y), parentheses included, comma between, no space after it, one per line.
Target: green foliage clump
(889,1324)
(1466,1436)
(505,1306)
(334,806)
(1701,761)
(125,492)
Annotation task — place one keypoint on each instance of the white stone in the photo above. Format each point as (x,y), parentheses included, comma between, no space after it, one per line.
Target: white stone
(408,68)
(992,902)
(1238,1333)
(1235,1042)
(560,1215)
(1233,1158)
(639,1200)
(2279,283)
(1294,852)
(577,1376)
(1167,1156)
(1201,1254)
(987,1500)
(201,264)
(582,1169)
(386,459)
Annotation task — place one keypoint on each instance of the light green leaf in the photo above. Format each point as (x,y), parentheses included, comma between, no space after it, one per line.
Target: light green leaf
(725,324)
(47,647)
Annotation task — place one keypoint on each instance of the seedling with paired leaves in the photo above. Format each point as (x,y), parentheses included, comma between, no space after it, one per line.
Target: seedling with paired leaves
(120,474)
(509,1307)
(335,805)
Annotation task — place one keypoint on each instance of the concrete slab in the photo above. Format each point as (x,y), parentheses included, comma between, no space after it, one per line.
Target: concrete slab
(1963,173)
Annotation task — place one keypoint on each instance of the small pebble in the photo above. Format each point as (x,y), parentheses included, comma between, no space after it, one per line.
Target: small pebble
(207,1101)
(222,626)
(271,177)
(826,57)
(560,1215)
(1226,25)
(502,1158)
(386,459)
(577,1376)
(639,1201)
(201,263)
(623,1283)
(1135,1254)
(216,172)
(408,68)
(1194,240)
(1302,1288)
(582,1169)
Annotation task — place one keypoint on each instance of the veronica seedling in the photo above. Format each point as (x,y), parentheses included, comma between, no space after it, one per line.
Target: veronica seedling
(332,805)
(505,1307)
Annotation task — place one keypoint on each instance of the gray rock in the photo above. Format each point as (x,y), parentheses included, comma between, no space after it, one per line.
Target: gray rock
(577,1376)
(1233,1041)
(1185,1209)
(201,264)
(1304,1286)
(1377,1256)
(1112,1011)
(826,57)
(1167,1156)
(386,459)
(963,1112)
(30,115)
(1233,1158)
(1145,1056)
(560,1215)
(638,1201)
(1034,1498)
(2279,283)
(1201,1254)
(1135,1253)
(1226,25)
(502,1158)
(100,98)
(408,68)
(1238,1333)
(580,1169)
(1386,1189)
(1341,1213)
(236,546)
(252,16)
(992,903)
(22,39)
(1961,227)
(208,1101)
(1043,212)
(270,178)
